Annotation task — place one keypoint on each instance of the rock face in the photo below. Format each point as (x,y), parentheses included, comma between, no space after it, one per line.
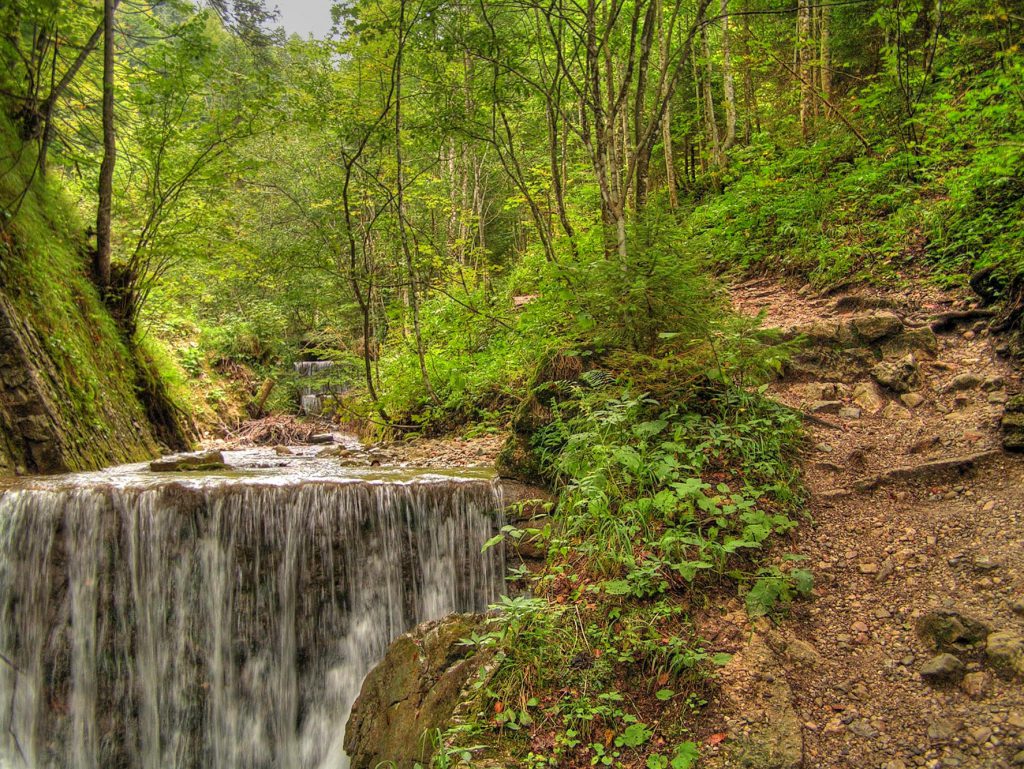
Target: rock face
(41,428)
(71,394)
(414,691)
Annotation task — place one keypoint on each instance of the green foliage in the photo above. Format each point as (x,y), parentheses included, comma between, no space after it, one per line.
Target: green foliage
(660,498)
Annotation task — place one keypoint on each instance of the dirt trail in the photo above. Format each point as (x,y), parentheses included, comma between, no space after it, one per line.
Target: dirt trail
(945,532)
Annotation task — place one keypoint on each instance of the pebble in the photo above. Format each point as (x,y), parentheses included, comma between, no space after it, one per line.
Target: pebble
(864,729)
(984,563)
(976,685)
(941,730)
(980,734)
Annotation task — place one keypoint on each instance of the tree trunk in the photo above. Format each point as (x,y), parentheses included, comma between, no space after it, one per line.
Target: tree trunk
(670,170)
(802,58)
(727,79)
(710,124)
(751,121)
(825,56)
(101,260)
(403,232)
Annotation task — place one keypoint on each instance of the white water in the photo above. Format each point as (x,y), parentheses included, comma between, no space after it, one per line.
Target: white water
(222,623)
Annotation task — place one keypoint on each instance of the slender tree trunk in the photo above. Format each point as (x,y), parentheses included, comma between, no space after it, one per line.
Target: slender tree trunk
(825,56)
(710,124)
(802,58)
(666,123)
(670,170)
(101,260)
(410,265)
(751,121)
(727,79)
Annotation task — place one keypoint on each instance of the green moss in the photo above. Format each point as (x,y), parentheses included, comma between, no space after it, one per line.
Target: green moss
(81,361)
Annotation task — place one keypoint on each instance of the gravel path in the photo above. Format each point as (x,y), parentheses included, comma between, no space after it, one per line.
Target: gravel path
(893,551)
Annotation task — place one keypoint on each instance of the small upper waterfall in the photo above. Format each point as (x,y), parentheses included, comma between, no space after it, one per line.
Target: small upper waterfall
(311,396)
(221,623)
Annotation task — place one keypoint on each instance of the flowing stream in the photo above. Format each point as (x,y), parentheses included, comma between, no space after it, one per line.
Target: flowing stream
(224,621)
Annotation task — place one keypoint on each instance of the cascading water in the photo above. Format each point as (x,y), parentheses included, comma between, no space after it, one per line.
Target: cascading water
(311,399)
(221,623)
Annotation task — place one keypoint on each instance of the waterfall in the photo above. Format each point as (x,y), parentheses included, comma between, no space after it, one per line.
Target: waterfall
(311,399)
(223,625)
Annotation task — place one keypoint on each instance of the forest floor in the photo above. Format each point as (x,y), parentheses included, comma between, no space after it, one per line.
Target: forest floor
(916,532)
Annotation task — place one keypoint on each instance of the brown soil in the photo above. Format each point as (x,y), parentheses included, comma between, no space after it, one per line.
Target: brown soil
(885,551)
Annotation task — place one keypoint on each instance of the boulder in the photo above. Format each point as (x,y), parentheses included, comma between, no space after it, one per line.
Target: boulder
(920,340)
(1005,653)
(895,412)
(825,407)
(877,326)
(912,400)
(962,382)
(825,333)
(195,462)
(1013,424)
(943,669)
(900,376)
(868,397)
(414,691)
(947,630)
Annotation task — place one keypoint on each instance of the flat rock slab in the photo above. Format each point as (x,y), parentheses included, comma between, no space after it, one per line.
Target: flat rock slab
(197,462)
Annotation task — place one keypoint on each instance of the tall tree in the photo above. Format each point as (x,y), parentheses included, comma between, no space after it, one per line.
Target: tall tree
(101,259)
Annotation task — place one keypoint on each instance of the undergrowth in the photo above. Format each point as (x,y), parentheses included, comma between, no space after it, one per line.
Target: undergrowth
(675,480)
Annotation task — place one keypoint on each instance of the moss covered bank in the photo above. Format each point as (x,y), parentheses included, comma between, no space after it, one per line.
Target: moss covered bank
(69,384)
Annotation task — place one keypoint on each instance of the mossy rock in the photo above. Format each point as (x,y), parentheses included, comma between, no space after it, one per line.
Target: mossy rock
(947,630)
(518,461)
(413,692)
(1005,653)
(1013,424)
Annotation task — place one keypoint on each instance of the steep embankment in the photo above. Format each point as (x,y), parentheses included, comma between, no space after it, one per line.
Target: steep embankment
(68,397)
